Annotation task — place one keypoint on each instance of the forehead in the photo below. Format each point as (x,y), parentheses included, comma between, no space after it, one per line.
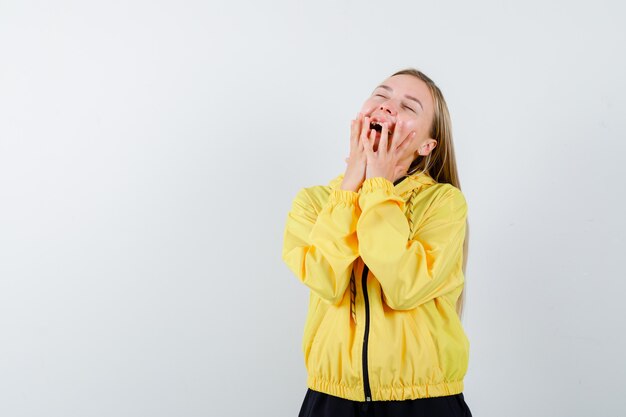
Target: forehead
(405,84)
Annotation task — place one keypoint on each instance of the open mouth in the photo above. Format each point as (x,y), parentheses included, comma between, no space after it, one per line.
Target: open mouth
(379,128)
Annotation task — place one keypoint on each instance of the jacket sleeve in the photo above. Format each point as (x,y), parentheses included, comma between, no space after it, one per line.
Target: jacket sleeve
(320,248)
(411,271)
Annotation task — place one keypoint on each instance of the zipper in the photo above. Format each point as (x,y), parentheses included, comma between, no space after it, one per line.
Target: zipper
(366,382)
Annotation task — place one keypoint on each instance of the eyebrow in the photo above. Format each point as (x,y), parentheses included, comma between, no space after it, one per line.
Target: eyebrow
(386,87)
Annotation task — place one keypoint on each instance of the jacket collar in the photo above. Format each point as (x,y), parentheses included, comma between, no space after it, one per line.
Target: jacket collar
(404,186)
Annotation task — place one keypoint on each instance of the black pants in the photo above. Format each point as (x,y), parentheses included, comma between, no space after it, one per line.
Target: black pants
(318,404)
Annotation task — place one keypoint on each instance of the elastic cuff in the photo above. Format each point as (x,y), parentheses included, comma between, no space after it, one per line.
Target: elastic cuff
(377,183)
(343,196)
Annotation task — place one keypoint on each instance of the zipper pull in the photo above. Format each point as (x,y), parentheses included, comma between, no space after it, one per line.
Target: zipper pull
(366,404)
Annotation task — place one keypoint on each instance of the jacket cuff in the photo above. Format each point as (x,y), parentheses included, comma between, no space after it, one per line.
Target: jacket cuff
(375,190)
(377,183)
(345,197)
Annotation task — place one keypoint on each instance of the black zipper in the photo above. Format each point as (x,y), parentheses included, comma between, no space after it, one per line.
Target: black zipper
(366,381)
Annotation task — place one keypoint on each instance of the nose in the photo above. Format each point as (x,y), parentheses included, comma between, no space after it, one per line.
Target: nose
(388,106)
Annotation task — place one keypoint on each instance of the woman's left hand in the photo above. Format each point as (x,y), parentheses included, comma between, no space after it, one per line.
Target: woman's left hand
(387,161)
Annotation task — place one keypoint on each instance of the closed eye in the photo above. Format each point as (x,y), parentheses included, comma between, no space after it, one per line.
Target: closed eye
(379,95)
(409,108)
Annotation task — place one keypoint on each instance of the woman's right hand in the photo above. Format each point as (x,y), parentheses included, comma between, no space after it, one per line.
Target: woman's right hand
(355,171)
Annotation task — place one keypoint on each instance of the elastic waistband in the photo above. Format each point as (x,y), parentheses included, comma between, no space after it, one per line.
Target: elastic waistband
(385,393)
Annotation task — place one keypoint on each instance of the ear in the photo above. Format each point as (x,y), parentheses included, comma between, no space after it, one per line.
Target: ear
(426,147)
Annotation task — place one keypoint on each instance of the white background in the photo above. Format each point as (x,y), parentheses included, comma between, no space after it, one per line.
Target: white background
(150,151)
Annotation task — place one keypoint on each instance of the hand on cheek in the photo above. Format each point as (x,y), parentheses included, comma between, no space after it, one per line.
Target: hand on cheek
(355,170)
(388,160)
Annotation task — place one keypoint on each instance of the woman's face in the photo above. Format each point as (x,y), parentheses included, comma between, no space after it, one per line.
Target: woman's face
(407,99)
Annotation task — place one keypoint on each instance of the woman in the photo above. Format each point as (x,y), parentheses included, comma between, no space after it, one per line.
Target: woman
(382,249)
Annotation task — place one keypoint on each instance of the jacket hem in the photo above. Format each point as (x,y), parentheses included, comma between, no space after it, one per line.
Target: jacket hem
(388,393)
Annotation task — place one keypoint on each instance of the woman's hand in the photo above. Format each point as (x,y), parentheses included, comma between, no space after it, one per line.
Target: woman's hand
(387,161)
(355,172)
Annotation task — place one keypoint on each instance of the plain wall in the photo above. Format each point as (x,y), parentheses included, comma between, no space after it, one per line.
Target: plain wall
(150,151)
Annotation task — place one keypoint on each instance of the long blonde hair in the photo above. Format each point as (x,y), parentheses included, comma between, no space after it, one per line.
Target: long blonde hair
(440,163)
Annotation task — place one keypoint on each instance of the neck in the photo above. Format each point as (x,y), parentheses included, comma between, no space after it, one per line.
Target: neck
(399,179)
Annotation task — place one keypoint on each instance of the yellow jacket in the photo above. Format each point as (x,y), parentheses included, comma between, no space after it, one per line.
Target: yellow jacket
(395,335)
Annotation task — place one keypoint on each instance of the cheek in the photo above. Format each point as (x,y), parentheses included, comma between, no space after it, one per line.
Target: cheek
(368,107)
(411,125)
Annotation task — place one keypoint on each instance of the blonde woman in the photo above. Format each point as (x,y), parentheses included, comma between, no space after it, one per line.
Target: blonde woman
(382,250)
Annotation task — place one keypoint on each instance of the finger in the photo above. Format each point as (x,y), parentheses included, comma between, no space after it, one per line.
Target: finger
(359,122)
(362,122)
(365,127)
(355,130)
(353,134)
(371,139)
(368,142)
(405,143)
(384,140)
(395,138)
